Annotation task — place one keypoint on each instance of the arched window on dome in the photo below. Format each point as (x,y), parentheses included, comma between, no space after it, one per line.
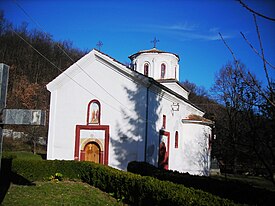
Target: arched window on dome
(163,70)
(146,69)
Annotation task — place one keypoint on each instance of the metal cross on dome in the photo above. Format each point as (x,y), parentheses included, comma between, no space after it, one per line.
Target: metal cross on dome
(99,45)
(155,42)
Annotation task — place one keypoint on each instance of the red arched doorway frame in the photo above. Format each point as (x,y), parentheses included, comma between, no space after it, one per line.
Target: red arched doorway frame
(80,154)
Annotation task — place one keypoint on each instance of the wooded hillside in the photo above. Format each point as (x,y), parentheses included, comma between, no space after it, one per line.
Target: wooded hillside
(29,71)
(29,74)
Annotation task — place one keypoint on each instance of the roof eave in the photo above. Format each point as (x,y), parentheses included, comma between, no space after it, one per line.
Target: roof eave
(190,121)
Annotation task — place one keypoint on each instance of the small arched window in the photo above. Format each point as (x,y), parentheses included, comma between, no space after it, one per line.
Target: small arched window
(163,70)
(209,142)
(176,139)
(146,69)
(93,113)
(164,122)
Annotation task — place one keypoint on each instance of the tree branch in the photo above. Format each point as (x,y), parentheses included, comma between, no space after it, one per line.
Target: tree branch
(259,90)
(262,50)
(254,12)
(255,50)
(232,53)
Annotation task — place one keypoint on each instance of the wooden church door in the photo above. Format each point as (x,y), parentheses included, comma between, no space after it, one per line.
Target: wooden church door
(163,159)
(92,152)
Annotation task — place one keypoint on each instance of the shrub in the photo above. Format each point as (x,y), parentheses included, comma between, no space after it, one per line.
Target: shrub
(40,170)
(139,190)
(134,189)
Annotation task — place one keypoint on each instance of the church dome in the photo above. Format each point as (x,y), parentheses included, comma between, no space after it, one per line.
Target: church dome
(156,64)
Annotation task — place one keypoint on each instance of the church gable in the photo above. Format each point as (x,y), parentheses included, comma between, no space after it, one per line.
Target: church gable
(72,71)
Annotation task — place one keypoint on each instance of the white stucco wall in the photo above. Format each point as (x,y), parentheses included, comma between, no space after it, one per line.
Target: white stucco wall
(162,107)
(69,108)
(192,155)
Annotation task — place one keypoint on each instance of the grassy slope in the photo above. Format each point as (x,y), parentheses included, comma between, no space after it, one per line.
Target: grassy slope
(61,193)
(50,193)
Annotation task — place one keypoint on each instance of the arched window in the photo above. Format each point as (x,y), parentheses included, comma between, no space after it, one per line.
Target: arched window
(146,69)
(164,121)
(176,139)
(209,142)
(163,68)
(93,113)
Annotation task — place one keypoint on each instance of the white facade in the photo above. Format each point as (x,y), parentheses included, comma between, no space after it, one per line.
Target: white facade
(102,111)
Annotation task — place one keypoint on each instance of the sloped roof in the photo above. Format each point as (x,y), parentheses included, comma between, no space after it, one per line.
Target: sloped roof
(171,81)
(195,119)
(110,57)
(123,68)
(155,82)
(153,50)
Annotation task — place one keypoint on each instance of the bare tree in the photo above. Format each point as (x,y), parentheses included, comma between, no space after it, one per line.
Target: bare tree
(261,125)
(245,130)
(229,89)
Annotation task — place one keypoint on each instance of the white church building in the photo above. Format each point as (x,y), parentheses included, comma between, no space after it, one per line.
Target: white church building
(106,112)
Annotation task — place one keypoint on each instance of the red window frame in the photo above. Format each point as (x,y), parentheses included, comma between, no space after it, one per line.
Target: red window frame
(164,121)
(209,142)
(88,111)
(163,71)
(146,69)
(177,139)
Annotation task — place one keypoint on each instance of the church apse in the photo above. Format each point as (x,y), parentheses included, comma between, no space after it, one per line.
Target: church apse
(196,145)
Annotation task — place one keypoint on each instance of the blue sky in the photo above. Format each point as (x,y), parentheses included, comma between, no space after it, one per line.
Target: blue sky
(185,27)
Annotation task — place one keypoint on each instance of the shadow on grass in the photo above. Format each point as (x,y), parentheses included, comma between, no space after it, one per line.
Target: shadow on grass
(7,177)
(239,192)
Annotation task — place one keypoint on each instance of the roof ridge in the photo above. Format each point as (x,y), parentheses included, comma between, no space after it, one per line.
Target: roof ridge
(110,57)
(153,50)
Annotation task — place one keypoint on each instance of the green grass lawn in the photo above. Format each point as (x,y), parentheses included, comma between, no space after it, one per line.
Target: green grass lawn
(61,193)
(255,181)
